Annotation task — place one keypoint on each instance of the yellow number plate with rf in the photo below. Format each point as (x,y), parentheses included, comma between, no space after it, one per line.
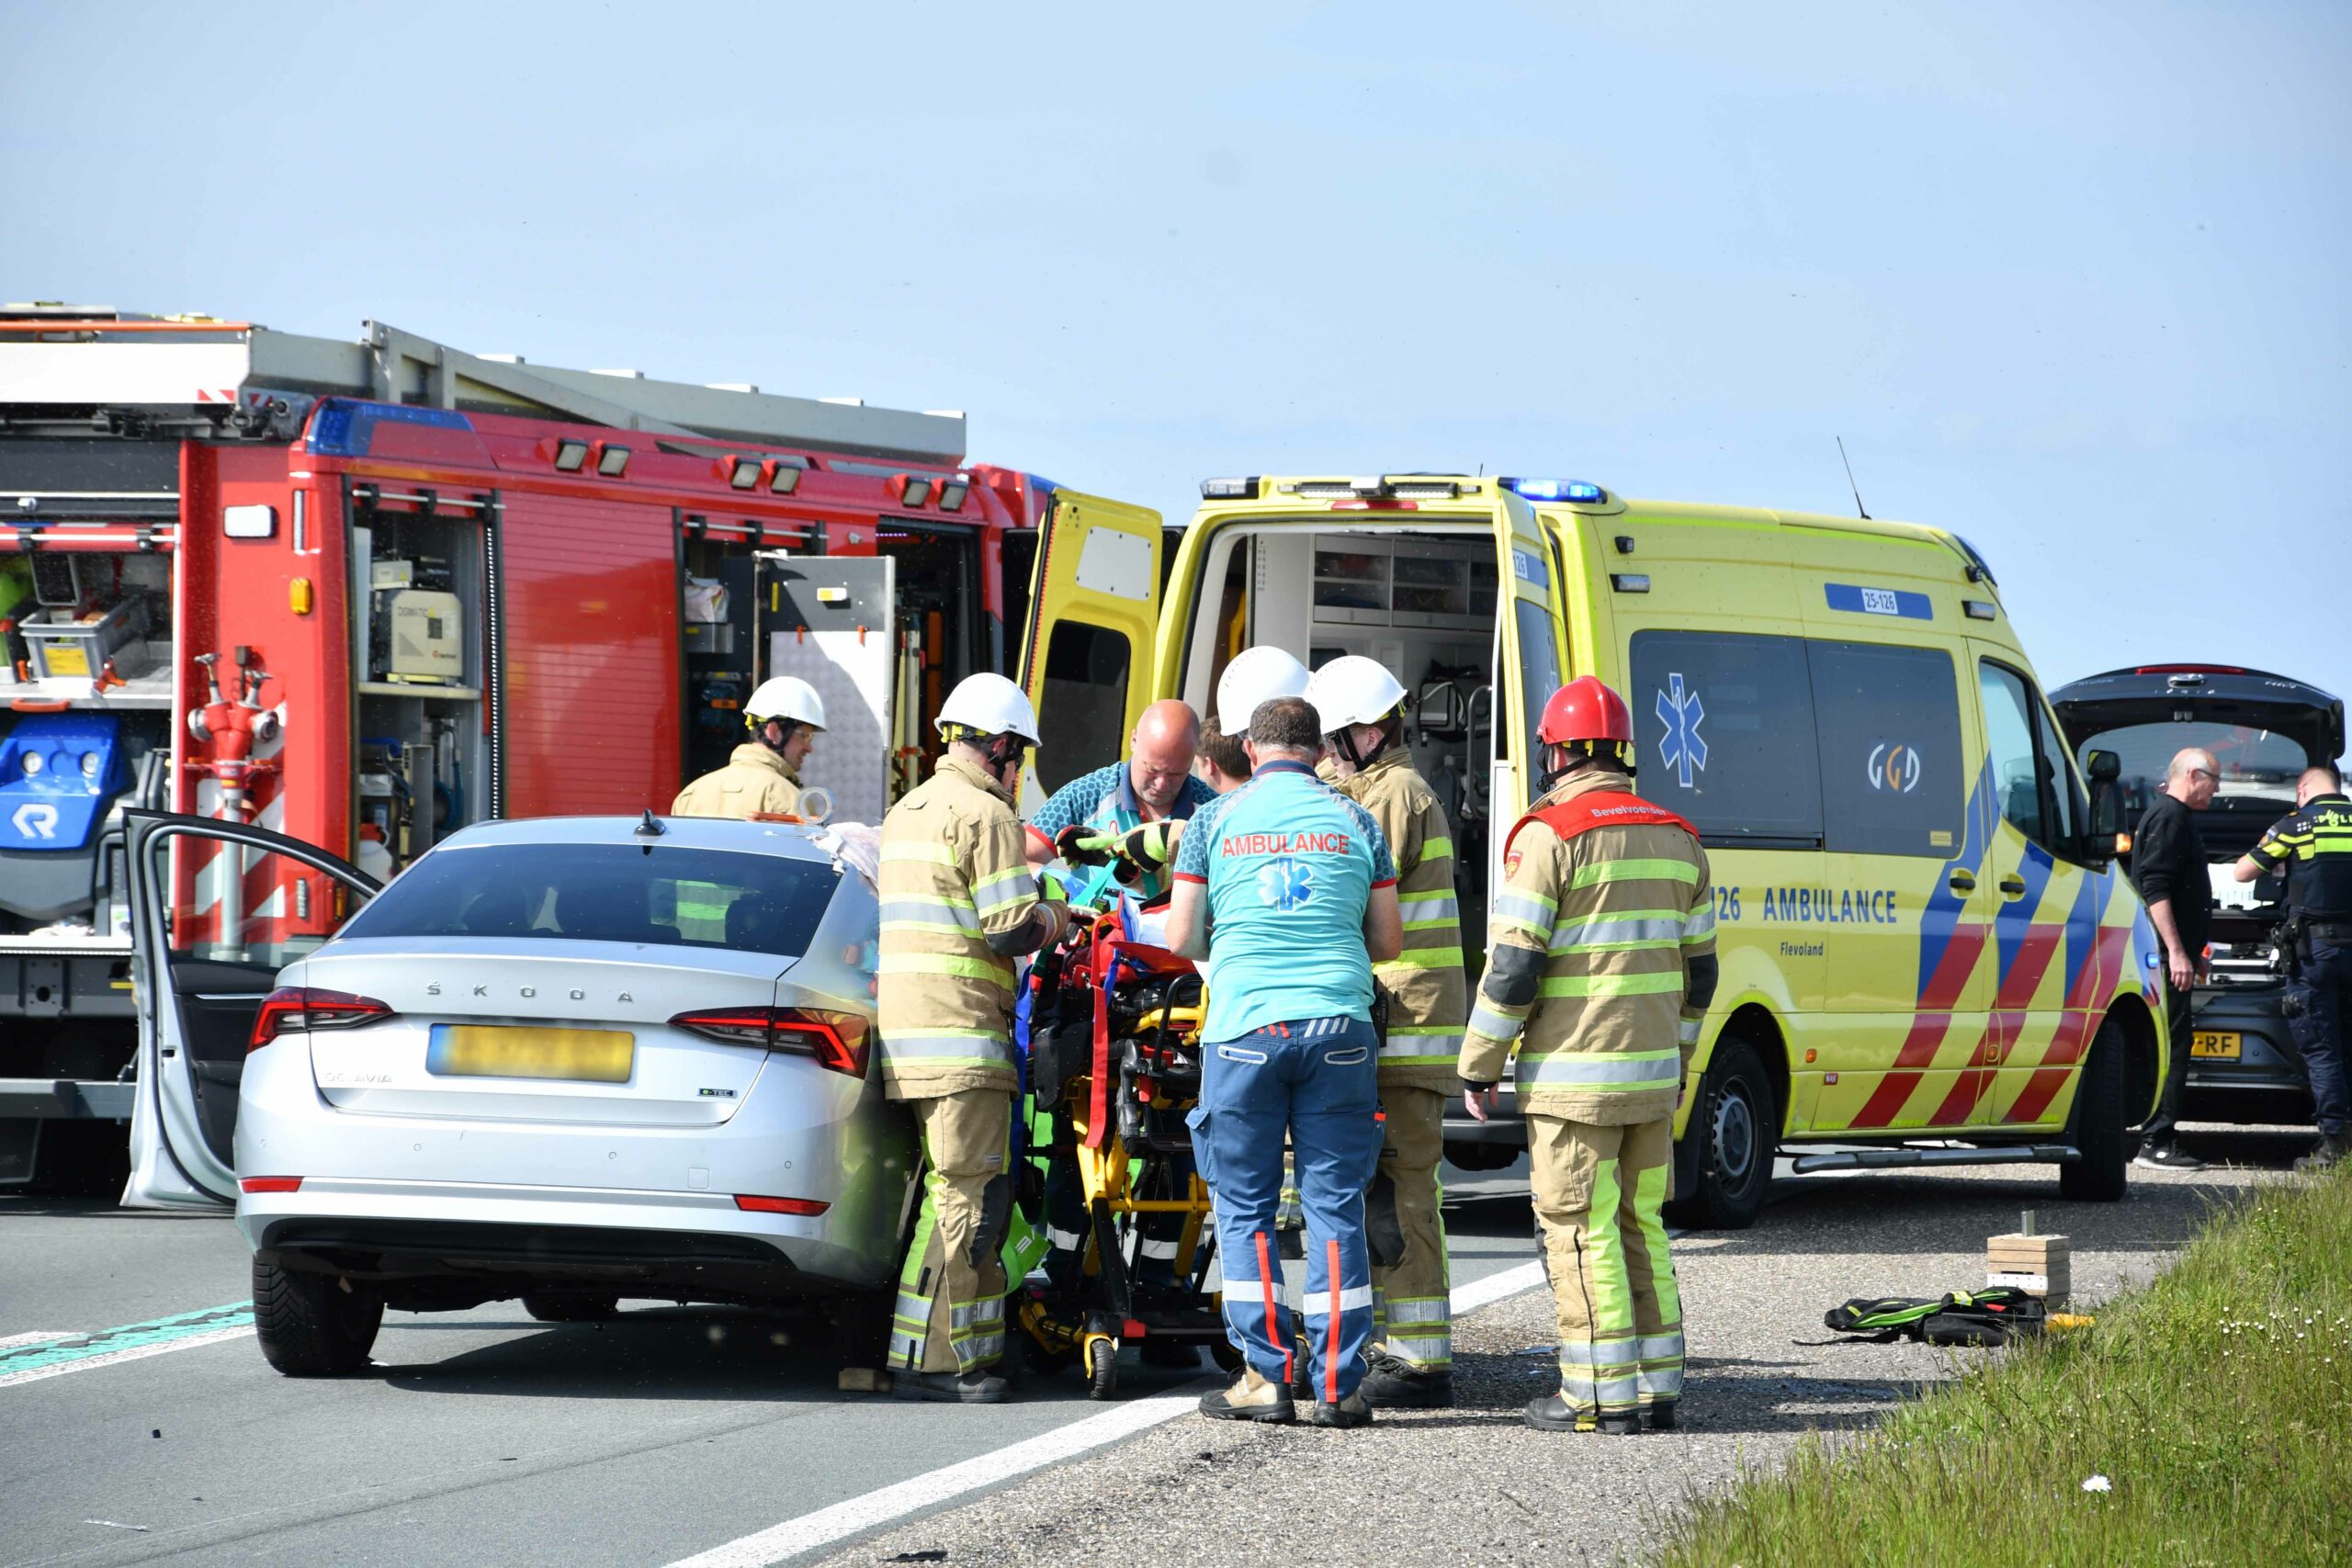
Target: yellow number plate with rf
(2216,1045)
(487,1051)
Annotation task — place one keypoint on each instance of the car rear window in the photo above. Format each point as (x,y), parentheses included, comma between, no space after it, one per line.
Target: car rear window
(2259,766)
(664,897)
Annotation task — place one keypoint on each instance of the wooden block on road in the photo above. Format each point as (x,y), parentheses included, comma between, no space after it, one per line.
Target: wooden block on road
(865,1380)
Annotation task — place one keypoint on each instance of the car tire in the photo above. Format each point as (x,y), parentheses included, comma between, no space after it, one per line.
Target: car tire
(1229,1360)
(313,1326)
(2098,1126)
(1466,1156)
(1736,1126)
(571,1309)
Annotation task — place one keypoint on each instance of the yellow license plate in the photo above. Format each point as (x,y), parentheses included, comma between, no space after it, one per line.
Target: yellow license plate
(2222,1046)
(488,1050)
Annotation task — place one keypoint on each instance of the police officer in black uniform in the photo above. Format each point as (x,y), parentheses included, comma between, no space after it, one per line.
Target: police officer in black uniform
(2313,844)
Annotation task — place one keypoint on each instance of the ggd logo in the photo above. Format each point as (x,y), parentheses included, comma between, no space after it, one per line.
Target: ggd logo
(1894,768)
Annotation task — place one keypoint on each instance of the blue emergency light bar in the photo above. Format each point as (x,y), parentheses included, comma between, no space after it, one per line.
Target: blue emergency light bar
(1556,490)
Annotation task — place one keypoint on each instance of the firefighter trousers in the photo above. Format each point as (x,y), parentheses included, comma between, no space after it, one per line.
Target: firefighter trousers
(1597,1192)
(950,1313)
(1411,1314)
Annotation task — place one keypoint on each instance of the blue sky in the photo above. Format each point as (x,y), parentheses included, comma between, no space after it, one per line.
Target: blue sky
(2067,278)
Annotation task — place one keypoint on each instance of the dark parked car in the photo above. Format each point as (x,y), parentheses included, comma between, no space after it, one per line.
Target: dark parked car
(2264,729)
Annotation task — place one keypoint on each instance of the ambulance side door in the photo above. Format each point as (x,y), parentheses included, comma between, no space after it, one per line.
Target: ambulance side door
(216,909)
(2047,907)
(1085,658)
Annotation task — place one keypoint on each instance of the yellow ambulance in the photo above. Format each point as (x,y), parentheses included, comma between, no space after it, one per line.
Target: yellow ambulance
(1928,955)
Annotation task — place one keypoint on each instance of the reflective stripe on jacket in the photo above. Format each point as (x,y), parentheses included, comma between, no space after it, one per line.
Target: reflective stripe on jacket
(955,872)
(1617,910)
(756,779)
(1430,998)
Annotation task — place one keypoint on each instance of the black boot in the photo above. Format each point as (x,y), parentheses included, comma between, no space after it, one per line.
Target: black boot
(980,1386)
(1394,1383)
(2332,1147)
(1352,1411)
(2167,1156)
(1554,1413)
(1661,1412)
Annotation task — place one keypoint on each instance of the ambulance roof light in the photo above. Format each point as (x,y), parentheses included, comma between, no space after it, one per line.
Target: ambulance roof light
(1577,492)
(1230,489)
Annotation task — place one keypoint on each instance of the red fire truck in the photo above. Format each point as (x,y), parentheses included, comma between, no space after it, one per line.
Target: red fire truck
(357,595)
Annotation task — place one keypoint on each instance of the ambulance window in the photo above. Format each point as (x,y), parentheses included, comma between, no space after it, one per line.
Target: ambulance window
(1889,722)
(2018,785)
(1084,701)
(1539,665)
(2070,806)
(1725,728)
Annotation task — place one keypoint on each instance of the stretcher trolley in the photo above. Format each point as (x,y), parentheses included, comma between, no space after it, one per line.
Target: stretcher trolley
(1115,1066)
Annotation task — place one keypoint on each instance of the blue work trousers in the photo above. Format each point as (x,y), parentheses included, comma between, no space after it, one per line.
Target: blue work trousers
(2325,990)
(1316,1081)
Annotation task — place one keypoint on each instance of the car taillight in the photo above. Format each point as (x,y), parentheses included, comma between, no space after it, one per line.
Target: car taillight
(836,1040)
(304,1008)
(751,1202)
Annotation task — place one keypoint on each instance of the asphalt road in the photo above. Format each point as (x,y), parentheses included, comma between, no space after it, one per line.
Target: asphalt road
(486,1438)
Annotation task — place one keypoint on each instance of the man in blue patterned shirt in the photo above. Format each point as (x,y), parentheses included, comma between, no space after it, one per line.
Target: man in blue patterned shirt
(1156,783)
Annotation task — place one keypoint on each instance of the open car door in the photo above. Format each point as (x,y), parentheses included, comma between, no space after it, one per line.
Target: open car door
(1094,608)
(1531,652)
(217,909)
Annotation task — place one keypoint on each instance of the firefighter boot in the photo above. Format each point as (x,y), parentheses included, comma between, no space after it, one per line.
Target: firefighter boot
(1251,1398)
(1393,1384)
(1661,1414)
(1554,1413)
(976,1387)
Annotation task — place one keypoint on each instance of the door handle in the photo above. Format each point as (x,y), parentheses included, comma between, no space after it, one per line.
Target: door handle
(2013,887)
(1962,881)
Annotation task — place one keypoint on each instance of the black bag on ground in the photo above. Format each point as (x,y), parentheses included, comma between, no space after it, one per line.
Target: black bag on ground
(1963,1317)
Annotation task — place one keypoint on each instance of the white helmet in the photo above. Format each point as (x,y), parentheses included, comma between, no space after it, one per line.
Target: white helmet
(788,698)
(992,705)
(1256,676)
(1353,690)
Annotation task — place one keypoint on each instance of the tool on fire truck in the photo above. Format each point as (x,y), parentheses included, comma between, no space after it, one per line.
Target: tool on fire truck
(1115,1062)
(231,731)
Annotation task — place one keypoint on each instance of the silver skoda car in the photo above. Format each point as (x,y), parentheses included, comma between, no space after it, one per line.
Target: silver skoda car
(569,1060)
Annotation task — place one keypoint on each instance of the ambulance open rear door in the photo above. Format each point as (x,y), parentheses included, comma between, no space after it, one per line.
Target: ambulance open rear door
(1086,653)
(1531,652)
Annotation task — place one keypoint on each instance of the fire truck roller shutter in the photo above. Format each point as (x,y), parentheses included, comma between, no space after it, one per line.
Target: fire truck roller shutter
(830,620)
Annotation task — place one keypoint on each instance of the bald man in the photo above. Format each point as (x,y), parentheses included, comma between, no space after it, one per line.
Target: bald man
(1156,783)
(2176,882)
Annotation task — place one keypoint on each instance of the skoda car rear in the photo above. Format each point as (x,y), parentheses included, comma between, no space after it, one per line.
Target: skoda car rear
(569,1060)
(2264,731)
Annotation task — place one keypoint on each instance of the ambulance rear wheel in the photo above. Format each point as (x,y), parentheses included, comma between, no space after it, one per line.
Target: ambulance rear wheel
(1736,1126)
(2098,1127)
(1102,1369)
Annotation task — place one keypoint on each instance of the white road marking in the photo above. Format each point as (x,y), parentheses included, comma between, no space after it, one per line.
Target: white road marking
(135,1353)
(39,1336)
(858,1514)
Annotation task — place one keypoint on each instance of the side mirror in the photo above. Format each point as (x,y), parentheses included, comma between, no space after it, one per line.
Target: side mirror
(2102,767)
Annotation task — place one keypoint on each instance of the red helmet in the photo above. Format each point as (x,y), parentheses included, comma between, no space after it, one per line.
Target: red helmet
(1585,709)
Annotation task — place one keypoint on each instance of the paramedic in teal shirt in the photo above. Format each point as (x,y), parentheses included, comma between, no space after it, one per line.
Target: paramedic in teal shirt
(1286,889)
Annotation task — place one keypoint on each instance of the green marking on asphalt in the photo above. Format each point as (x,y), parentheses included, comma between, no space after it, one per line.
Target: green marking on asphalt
(130,1337)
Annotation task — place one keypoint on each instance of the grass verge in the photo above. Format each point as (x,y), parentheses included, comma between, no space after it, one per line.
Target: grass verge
(2216,1405)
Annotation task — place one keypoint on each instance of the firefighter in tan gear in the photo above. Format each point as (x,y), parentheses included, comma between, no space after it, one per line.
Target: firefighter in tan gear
(762,776)
(959,904)
(1600,964)
(1361,706)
